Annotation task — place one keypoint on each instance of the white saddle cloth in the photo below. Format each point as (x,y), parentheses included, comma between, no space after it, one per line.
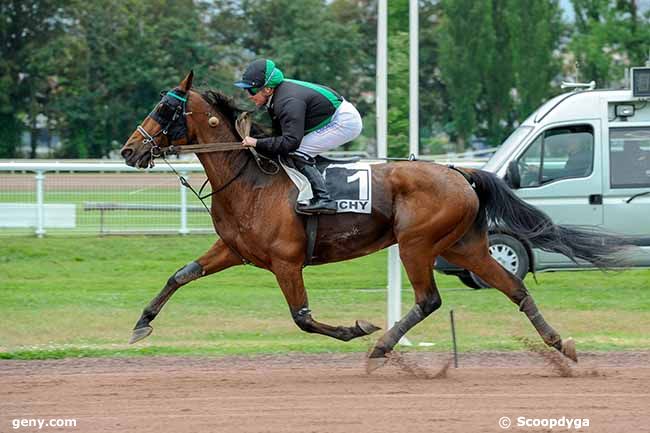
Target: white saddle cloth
(304,187)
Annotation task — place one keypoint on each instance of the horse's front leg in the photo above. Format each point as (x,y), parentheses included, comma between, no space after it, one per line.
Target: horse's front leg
(217,258)
(293,287)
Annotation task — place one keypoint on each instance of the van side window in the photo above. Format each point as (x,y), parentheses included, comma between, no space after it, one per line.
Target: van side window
(629,157)
(560,153)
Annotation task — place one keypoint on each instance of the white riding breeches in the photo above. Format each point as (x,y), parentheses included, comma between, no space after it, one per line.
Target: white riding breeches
(345,126)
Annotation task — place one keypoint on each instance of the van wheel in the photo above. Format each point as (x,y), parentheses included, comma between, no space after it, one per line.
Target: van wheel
(510,253)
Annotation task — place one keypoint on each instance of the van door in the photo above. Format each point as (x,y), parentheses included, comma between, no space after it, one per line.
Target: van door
(561,173)
(627,194)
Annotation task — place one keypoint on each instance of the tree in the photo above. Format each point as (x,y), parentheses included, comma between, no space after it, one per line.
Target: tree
(26,26)
(495,108)
(101,76)
(434,99)
(538,28)
(120,56)
(305,40)
(465,32)
(363,15)
(609,35)
(487,50)
(398,94)
(398,78)
(312,40)
(592,41)
(635,31)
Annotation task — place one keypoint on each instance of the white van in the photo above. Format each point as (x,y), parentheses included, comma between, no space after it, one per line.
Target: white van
(583,158)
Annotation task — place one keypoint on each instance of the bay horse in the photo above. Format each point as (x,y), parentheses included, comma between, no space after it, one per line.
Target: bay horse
(429,210)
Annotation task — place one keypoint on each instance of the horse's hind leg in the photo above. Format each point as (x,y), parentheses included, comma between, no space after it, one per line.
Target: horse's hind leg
(290,279)
(472,254)
(421,238)
(419,267)
(217,258)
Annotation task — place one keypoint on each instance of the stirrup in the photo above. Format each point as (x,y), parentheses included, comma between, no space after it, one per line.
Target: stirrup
(304,209)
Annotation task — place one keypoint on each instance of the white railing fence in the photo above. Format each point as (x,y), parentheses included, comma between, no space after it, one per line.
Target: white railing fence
(105,198)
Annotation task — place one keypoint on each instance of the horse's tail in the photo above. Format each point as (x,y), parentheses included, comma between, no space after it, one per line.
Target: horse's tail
(501,208)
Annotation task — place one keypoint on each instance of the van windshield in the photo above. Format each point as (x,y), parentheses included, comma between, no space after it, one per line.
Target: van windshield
(508,146)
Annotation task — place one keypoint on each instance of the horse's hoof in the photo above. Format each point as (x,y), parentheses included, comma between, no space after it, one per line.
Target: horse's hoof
(373,364)
(140,334)
(367,327)
(569,349)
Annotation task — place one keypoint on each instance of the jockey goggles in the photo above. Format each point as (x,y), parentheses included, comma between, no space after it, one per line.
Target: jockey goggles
(253,90)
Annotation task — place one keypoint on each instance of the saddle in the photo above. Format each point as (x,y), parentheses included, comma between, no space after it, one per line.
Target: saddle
(243,127)
(349,183)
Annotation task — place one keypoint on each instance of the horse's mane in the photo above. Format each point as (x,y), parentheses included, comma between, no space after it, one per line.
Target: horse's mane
(226,106)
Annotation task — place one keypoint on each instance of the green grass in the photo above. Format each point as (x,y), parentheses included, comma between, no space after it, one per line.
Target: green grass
(81,297)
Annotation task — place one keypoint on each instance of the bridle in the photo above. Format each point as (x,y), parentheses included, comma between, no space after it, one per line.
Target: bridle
(176,104)
(167,113)
(175,107)
(179,131)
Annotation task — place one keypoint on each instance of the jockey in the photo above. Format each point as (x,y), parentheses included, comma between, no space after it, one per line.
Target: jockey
(311,118)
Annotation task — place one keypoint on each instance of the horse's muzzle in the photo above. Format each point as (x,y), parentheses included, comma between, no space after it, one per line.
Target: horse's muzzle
(126,154)
(134,158)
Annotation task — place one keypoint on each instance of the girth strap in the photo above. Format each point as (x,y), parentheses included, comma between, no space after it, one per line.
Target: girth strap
(311,230)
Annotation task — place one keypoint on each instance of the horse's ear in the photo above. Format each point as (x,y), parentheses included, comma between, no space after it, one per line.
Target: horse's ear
(186,84)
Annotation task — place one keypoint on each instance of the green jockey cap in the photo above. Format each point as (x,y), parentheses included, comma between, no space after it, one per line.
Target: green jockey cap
(261,73)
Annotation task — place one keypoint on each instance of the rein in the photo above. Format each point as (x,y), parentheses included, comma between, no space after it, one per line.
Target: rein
(198,195)
(159,151)
(242,126)
(224,146)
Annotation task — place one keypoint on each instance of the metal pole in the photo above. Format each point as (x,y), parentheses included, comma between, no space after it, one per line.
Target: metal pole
(183,230)
(394,269)
(394,286)
(40,205)
(453,337)
(382,79)
(414,69)
(394,263)
(395,290)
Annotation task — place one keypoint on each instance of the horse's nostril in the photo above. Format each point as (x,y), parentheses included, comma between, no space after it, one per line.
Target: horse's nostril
(126,153)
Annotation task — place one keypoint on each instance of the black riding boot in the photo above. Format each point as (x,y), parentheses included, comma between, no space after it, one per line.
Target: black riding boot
(322,202)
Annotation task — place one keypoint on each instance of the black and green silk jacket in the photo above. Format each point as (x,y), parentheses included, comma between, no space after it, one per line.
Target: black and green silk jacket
(297,108)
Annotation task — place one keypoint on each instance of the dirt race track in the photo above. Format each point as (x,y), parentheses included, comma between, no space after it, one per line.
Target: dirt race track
(328,393)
